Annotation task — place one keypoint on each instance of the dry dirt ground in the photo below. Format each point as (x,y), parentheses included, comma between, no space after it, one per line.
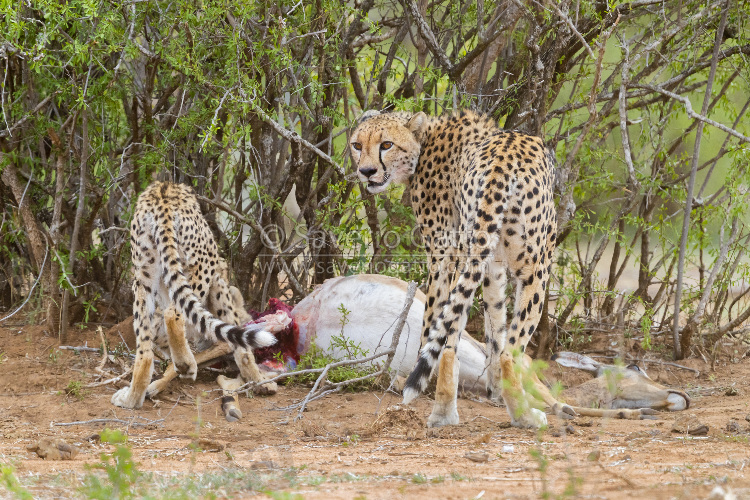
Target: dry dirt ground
(350,446)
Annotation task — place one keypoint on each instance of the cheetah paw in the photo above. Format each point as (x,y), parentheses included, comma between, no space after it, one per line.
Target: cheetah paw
(268,389)
(124,398)
(534,419)
(440,420)
(187,368)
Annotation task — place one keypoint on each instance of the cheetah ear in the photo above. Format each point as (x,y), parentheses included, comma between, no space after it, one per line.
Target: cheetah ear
(367,115)
(417,123)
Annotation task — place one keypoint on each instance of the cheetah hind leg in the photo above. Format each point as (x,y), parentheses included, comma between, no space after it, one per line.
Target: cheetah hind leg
(180,352)
(132,396)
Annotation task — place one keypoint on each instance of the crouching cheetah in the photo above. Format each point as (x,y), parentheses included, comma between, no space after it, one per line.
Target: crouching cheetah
(177,275)
(483,201)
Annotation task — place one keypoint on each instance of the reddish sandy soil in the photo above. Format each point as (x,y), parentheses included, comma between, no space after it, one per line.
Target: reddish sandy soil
(341,450)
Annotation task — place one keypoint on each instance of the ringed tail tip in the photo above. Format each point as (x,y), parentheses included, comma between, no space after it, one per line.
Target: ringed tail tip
(409,394)
(263,338)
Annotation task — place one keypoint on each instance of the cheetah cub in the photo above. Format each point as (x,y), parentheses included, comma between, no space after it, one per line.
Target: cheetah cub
(483,201)
(177,273)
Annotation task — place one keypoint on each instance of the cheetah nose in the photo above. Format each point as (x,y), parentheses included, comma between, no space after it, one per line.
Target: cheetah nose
(368,172)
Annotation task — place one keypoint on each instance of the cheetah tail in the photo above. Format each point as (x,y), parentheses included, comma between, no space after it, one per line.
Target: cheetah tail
(184,298)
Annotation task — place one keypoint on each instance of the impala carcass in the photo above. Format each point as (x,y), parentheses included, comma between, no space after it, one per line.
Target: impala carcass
(373,304)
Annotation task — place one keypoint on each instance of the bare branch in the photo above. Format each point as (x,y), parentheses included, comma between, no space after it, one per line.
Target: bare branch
(34,112)
(689,109)
(291,135)
(428,36)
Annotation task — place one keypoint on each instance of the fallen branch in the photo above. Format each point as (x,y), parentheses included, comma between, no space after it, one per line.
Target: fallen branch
(89,349)
(109,420)
(111,380)
(100,369)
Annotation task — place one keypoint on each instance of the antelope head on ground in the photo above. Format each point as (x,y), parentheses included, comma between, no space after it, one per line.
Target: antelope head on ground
(617,387)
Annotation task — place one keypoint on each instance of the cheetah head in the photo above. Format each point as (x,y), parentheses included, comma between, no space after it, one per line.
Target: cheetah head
(385,147)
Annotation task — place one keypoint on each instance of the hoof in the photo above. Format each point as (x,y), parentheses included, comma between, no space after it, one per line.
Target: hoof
(233,415)
(565,412)
(649,414)
(495,395)
(266,389)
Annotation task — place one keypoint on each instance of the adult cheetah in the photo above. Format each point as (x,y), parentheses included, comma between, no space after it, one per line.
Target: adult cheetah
(483,201)
(178,273)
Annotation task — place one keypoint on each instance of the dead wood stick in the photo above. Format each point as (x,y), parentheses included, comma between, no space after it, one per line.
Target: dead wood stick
(88,349)
(410,291)
(111,380)
(100,368)
(109,420)
(314,398)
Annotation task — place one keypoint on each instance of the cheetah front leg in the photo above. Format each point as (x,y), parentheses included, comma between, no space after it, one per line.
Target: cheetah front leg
(443,341)
(143,321)
(445,408)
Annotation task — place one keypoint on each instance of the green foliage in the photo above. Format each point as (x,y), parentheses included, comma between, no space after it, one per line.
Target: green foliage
(54,355)
(121,471)
(528,396)
(10,483)
(419,479)
(316,357)
(75,388)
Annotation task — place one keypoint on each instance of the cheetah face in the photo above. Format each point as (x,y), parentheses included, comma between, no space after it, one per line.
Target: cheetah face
(385,148)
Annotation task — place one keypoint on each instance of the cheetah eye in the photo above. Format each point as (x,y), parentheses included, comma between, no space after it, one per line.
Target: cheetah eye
(357,146)
(386,145)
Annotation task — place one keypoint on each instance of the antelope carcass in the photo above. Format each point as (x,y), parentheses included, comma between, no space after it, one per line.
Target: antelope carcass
(371,304)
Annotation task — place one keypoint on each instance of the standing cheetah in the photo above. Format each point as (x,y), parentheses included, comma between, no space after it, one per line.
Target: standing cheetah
(483,201)
(178,274)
